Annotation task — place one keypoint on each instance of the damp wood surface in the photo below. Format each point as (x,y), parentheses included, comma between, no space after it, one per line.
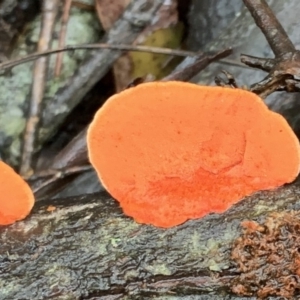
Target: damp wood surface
(85,248)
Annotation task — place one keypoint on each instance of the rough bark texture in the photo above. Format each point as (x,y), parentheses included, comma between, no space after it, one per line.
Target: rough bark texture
(87,249)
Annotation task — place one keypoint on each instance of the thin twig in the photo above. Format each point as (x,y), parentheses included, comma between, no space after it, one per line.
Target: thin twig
(120,47)
(231,62)
(277,38)
(189,71)
(264,64)
(62,37)
(55,175)
(50,9)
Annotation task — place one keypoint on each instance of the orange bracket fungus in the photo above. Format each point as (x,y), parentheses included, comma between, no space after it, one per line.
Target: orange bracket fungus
(16,196)
(173,151)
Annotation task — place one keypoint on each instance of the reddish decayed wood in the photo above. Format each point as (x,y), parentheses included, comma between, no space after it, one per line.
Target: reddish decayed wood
(173,151)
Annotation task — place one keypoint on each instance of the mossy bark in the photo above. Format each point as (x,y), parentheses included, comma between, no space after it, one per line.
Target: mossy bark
(87,249)
(15,86)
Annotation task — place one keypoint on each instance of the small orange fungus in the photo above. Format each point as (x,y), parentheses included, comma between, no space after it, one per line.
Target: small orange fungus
(16,196)
(173,151)
(51,208)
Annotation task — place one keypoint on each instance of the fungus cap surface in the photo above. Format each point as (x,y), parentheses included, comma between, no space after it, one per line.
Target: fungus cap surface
(173,151)
(16,196)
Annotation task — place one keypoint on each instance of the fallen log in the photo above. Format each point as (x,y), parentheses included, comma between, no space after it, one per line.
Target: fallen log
(85,248)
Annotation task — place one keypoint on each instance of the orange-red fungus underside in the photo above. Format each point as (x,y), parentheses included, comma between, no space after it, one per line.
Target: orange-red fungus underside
(173,151)
(16,196)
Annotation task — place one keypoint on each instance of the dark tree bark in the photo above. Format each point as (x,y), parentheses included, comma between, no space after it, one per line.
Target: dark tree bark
(87,249)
